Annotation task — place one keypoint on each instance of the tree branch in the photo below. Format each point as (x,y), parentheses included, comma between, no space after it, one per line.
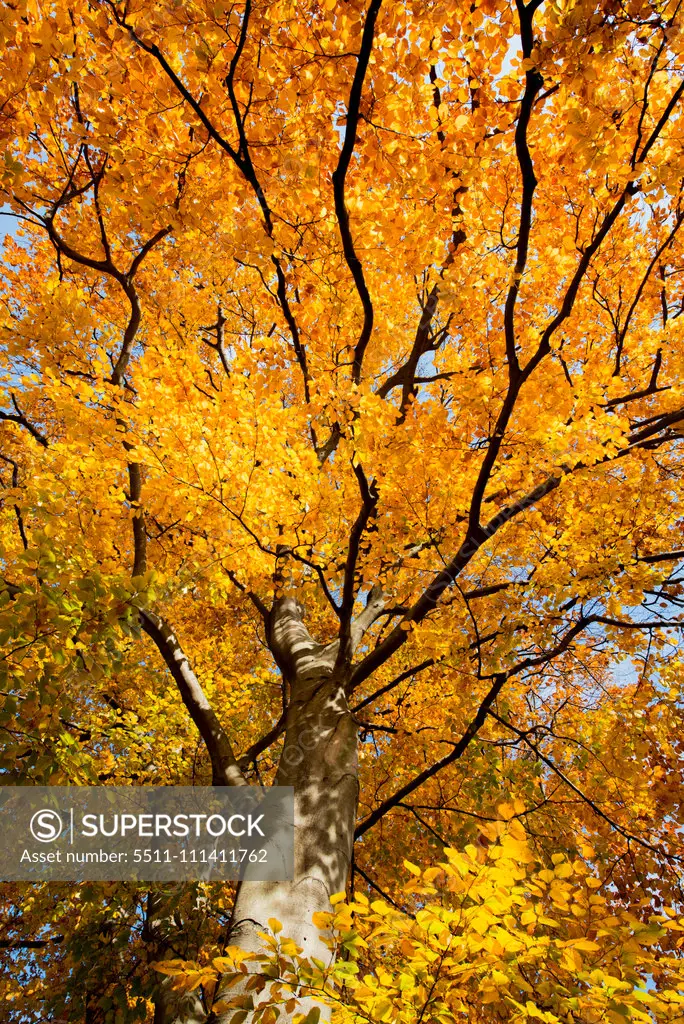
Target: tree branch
(365,619)
(533,84)
(225,770)
(19,418)
(139,534)
(369,501)
(587,800)
(339,179)
(407,674)
(250,755)
(457,752)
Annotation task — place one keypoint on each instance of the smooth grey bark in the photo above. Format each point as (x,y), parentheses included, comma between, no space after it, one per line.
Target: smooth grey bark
(319,759)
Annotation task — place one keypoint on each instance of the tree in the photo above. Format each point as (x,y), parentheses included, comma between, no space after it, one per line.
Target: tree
(341,447)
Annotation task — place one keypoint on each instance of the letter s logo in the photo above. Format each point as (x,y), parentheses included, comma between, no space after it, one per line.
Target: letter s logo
(46,826)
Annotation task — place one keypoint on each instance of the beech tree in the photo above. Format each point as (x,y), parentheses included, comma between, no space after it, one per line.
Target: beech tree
(341,449)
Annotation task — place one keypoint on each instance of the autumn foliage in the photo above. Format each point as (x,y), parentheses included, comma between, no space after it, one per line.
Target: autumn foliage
(362,321)
(496,936)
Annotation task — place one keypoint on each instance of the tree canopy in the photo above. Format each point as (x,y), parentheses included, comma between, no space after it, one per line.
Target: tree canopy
(341,344)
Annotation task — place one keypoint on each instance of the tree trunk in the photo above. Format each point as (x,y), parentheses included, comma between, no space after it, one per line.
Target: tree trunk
(320,761)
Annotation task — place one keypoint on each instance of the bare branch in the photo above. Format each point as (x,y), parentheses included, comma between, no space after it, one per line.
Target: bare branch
(17,510)
(225,770)
(457,752)
(250,755)
(365,619)
(19,418)
(533,85)
(407,674)
(339,179)
(369,501)
(524,736)
(139,534)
